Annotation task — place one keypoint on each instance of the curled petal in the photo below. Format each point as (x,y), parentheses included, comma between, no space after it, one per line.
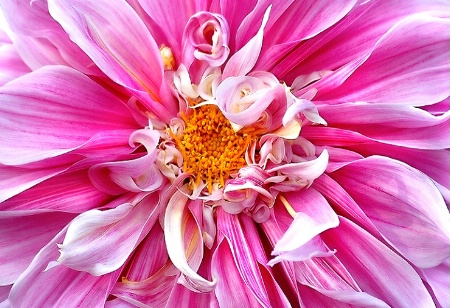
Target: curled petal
(100,242)
(206,38)
(174,235)
(306,107)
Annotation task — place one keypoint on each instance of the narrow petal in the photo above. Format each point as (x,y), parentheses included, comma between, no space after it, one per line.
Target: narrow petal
(99,242)
(418,44)
(378,270)
(62,284)
(439,280)
(414,220)
(21,239)
(53,111)
(231,289)
(245,58)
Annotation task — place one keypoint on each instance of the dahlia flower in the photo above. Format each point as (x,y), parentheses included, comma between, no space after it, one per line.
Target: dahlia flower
(224,154)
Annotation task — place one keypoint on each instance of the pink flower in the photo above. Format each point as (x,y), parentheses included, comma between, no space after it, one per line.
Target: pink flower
(204,154)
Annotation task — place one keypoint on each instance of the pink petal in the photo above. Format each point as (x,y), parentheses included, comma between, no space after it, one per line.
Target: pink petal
(411,53)
(149,257)
(43,113)
(249,258)
(174,230)
(62,284)
(173,27)
(377,269)
(231,289)
(22,237)
(99,242)
(352,37)
(414,220)
(11,65)
(4,293)
(329,277)
(439,280)
(245,58)
(45,34)
(393,124)
(72,192)
(132,60)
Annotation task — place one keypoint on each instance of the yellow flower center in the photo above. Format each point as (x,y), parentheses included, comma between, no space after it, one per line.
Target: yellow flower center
(211,150)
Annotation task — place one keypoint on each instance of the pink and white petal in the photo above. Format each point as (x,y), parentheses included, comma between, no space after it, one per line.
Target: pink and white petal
(414,221)
(245,58)
(20,14)
(11,64)
(352,37)
(329,277)
(53,111)
(439,280)
(230,290)
(378,270)
(67,192)
(394,124)
(4,294)
(313,216)
(99,242)
(131,60)
(118,303)
(184,243)
(62,284)
(338,157)
(413,52)
(22,237)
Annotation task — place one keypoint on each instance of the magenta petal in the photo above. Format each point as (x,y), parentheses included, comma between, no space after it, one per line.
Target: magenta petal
(21,237)
(376,268)
(99,242)
(403,204)
(418,46)
(53,111)
(62,284)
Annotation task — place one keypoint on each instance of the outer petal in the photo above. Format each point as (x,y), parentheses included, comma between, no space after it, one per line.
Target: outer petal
(72,193)
(45,34)
(414,220)
(53,111)
(393,124)
(411,53)
(99,242)
(439,280)
(21,238)
(132,60)
(62,284)
(377,269)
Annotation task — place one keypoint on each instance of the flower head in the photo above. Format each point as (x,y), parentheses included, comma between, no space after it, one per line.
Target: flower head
(271,153)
